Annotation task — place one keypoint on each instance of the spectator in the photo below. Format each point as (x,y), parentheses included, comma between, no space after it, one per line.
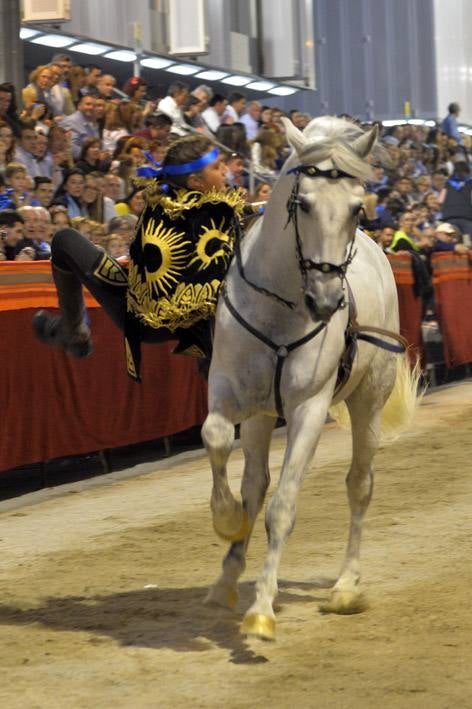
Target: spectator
(438,182)
(234,138)
(44,233)
(116,247)
(203,94)
(39,88)
(261,193)
(106,87)
(234,109)
(76,83)
(456,199)
(33,235)
(16,181)
(60,96)
(92,75)
(191,109)
(251,120)
(90,159)
(132,204)
(172,105)
(99,208)
(44,161)
(7,145)
(235,169)
(43,191)
(157,127)
(264,152)
(81,124)
(12,234)
(8,109)
(64,62)
(113,187)
(447,239)
(116,126)
(213,115)
(25,148)
(59,218)
(69,193)
(125,226)
(449,125)
(385,238)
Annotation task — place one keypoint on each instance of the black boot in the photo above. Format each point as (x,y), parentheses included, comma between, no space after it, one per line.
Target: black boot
(67,330)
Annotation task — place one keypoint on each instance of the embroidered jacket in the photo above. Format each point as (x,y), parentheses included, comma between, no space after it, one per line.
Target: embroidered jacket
(183,245)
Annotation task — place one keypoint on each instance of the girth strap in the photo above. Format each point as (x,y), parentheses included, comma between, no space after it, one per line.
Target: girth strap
(282,351)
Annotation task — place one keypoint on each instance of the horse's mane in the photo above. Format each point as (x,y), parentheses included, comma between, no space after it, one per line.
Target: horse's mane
(330,138)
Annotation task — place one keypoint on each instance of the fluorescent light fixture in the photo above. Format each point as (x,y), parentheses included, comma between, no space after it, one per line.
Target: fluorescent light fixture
(416,122)
(90,48)
(121,55)
(155,62)
(260,85)
(237,80)
(184,69)
(212,75)
(26,33)
(395,122)
(54,40)
(430,124)
(283,91)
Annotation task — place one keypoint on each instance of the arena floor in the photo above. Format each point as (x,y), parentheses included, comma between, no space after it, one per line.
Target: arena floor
(102,583)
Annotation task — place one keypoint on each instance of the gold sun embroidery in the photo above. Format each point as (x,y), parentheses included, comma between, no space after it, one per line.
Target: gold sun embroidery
(205,258)
(170,257)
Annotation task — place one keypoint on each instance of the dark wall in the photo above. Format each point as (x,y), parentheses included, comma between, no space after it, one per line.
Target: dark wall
(371,57)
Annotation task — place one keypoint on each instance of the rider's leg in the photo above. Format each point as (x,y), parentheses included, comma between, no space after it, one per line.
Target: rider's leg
(76,262)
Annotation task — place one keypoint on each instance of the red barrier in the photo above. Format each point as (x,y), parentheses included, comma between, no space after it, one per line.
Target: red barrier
(410,307)
(452,278)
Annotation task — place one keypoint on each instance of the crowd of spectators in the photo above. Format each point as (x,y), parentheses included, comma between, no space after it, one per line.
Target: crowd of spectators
(69,157)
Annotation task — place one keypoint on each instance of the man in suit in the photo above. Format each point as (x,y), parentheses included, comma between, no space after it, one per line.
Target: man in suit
(82,124)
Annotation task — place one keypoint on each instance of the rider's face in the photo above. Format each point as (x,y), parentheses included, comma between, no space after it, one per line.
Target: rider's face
(212,176)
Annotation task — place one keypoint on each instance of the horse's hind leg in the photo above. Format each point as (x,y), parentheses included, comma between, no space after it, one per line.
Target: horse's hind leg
(255,439)
(365,408)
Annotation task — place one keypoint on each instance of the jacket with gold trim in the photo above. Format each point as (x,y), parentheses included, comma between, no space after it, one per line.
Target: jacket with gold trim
(182,249)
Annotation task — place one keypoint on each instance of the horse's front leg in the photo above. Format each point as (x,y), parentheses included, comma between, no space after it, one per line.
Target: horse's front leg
(365,411)
(255,440)
(304,426)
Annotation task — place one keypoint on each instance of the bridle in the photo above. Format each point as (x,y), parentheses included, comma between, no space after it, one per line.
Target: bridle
(353,331)
(294,202)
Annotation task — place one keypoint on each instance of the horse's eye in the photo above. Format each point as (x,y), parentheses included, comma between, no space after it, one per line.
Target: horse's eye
(356,209)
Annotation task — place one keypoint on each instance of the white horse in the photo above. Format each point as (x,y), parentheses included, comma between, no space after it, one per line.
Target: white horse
(280,335)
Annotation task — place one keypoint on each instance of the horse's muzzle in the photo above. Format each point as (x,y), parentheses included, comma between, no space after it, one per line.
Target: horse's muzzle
(322,309)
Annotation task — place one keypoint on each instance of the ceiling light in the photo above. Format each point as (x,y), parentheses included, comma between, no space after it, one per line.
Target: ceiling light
(283,91)
(155,62)
(211,75)
(395,122)
(54,40)
(26,33)
(90,48)
(260,85)
(121,55)
(236,80)
(184,69)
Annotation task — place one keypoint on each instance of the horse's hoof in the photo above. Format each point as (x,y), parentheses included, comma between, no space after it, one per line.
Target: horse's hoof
(240,532)
(222,596)
(258,626)
(345,603)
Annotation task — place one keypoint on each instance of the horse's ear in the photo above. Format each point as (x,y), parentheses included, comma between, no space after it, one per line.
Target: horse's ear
(364,144)
(294,136)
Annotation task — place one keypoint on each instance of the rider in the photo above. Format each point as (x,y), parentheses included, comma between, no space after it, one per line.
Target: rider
(183,244)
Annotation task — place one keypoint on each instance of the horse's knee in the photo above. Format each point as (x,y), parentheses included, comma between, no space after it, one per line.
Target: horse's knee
(218,436)
(279,520)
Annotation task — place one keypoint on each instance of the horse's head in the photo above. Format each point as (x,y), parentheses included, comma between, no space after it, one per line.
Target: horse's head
(329,169)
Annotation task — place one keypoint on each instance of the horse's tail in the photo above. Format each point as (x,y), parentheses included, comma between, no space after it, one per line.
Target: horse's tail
(400,407)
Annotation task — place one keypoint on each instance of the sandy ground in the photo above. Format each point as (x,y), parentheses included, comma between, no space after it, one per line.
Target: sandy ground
(101,586)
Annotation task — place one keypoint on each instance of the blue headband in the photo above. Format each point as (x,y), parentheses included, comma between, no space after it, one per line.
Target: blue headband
(194,166)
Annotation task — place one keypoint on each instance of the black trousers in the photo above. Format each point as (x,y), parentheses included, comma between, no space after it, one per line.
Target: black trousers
(104,277)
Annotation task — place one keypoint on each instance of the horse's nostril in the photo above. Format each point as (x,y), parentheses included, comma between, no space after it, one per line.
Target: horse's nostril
(304,205)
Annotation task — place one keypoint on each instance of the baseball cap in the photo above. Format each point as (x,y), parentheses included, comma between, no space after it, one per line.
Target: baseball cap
(446,228)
